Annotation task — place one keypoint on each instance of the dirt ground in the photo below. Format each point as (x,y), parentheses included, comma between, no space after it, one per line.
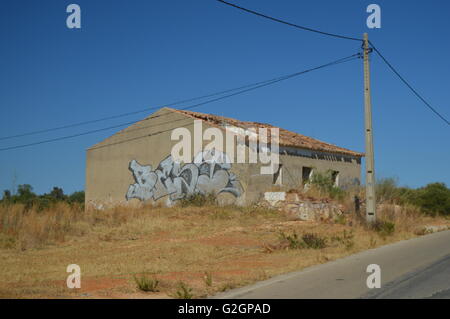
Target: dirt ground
(231,248)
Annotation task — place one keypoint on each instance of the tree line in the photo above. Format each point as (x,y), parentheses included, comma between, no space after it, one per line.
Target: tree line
(432,199)
(25,195)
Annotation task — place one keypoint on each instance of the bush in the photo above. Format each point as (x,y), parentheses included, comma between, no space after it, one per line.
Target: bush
(384,228)
(146,284)
(347,239)
(184,291)
(314,241)
(308,240)
(433,199)
(77,197)
(27,197)
(324,183)
(292,240)
(341,220)
(387,191)
(198,199)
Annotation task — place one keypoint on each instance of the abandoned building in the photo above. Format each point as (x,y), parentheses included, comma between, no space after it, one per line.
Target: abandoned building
(135,165)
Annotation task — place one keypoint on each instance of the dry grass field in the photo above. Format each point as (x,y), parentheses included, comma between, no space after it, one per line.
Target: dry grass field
(190,251)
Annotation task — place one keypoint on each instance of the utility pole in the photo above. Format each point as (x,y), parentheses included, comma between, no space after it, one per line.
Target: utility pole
(370,166)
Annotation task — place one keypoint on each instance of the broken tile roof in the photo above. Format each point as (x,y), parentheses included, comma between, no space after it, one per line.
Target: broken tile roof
(286,138)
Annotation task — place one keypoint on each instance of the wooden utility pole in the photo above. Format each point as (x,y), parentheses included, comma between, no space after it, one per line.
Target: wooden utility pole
(370,166)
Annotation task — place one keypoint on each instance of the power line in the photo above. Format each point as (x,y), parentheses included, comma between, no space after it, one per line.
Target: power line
(138,111)
(348,38)
(139,137)
(127,131)
(286,77)
(343,60)
(254,87)
(289,23)
(132,112)
(64,137)
(409,86)
(127,113)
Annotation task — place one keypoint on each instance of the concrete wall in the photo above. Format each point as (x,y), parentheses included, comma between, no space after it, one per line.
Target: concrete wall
(107,164)
(135,166)
(291,174)
(348,167)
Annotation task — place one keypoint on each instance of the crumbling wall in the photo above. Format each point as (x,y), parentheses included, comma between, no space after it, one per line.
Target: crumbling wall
(298,207)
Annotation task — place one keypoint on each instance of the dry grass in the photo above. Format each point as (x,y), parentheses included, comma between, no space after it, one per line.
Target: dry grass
(174,245)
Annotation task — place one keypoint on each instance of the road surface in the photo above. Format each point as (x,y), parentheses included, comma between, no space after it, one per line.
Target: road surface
(416,268)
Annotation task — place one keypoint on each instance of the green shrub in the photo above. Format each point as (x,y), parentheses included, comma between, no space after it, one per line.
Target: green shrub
(308,240)
(146,284)
(76,198)
(324,182)
(341,220)
(384,228)
(433,199)
(314,241)
(387,190)
(293,241)
(184,291)
(27,197)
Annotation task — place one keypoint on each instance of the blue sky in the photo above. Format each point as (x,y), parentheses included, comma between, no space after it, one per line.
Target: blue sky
(130,55)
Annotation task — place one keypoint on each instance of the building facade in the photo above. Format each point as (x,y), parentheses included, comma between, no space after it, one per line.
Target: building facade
(136,165)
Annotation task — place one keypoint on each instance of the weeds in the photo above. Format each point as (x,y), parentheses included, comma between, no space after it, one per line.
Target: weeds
(314,241)
(293,241)
(180,243)
(347,239)
(384,228)
(324,182)
(183,291)
(308,240)
(372,242)
(341,220)
(208,279)
(423,231)
(23,229)
(35,228)
(387,190)
(227,286)
(199,200)
(146,284)
(7,241)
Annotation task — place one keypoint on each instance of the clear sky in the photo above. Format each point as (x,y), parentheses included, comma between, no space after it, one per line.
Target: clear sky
(129,55)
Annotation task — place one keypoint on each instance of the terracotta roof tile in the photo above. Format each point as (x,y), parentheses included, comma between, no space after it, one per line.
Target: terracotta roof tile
(287,138)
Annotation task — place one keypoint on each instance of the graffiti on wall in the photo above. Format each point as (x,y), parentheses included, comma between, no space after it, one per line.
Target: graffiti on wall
(209,173)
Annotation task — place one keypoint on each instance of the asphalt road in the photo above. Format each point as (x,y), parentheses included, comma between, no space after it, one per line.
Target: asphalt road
(416,268)
(431,282)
